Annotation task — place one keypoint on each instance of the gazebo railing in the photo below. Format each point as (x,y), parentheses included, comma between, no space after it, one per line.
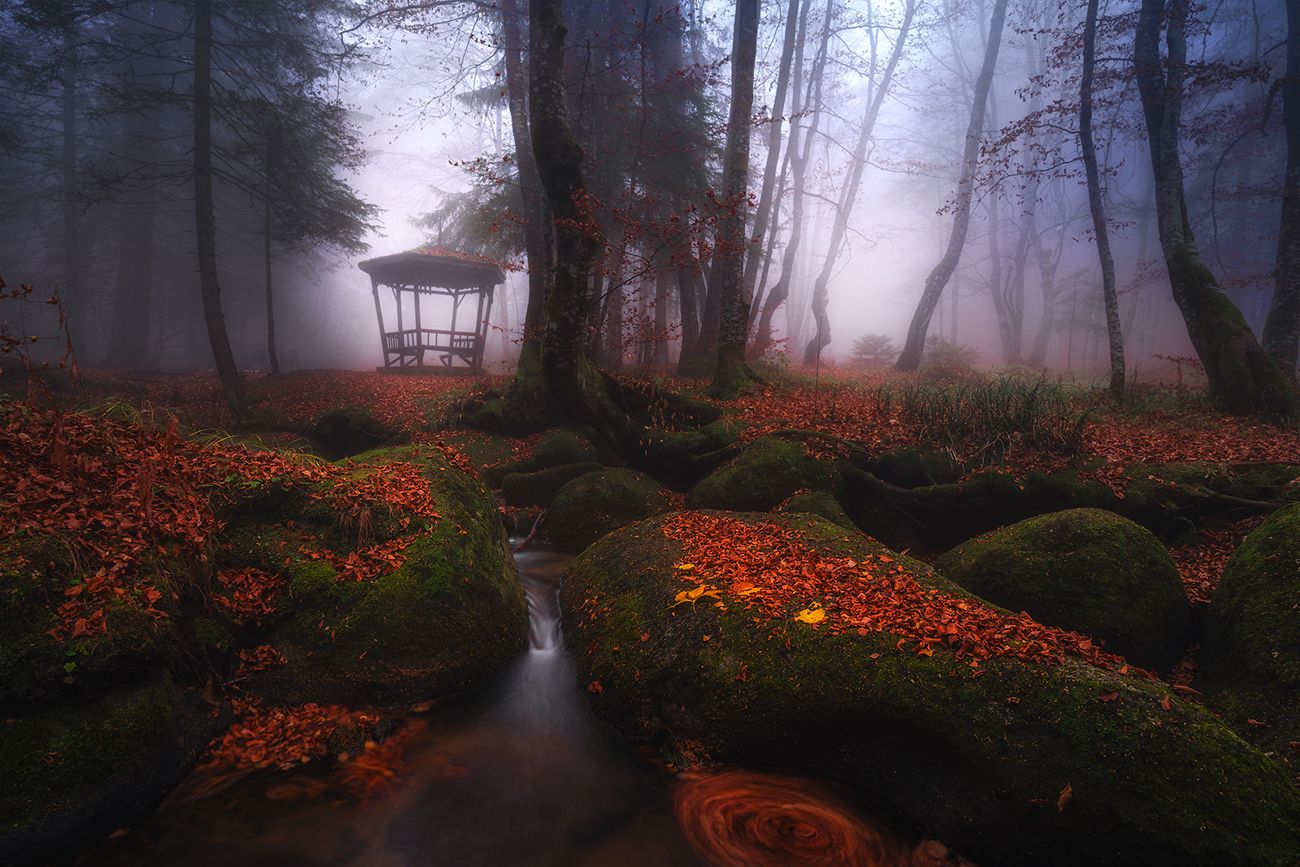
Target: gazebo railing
(430,339)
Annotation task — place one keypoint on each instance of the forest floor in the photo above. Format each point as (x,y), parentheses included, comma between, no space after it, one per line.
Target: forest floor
(1032,424)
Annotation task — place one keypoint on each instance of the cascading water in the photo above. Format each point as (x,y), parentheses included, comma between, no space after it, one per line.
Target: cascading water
(521,776)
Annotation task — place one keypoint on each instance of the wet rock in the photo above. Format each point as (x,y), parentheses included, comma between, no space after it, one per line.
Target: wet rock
(1250,662)
(980,760)
(598,503)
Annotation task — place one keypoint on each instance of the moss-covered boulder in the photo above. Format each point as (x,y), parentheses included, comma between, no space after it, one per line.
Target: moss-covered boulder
(349,430)
(444,612)
(78,771)
(598,503)
(1016,760)
(539,488)
(765,473)
(820,503)
(1250,662)
(1084,569)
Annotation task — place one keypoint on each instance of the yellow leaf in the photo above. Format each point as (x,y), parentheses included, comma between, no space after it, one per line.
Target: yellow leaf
(814,613)
(685,567)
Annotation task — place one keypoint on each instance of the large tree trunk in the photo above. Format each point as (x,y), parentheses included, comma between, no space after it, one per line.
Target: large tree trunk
(821,289)
(204,217)
(538,239)
(1243,377)
(910,357)
(766,201)
(268,224)
(731,374)
(1099,228)
(72,261)
(570,379)
(1282,328)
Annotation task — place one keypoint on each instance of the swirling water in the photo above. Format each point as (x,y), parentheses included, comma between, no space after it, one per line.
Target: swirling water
(521,775)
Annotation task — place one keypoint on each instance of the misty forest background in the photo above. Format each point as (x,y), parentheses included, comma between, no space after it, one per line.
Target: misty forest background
(326,129)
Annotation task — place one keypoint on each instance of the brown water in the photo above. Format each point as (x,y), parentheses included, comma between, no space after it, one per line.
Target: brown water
(520,775)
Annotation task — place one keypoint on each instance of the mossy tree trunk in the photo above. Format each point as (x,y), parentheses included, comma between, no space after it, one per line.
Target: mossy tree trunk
(910,357)
(731,374)
(1282,329)
(537,227)
(1242,376)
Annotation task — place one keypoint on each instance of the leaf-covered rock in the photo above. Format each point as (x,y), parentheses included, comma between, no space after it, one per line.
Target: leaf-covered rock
(1089,570)
(1250,662)
(598,503)
(816,649)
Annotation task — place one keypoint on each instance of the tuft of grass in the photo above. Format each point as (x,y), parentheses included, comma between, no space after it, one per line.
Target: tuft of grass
(982,419)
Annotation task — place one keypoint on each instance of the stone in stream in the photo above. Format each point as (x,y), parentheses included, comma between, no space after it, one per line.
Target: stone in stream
(1033,756)
(1250,662)
(1088,570)
(598,503)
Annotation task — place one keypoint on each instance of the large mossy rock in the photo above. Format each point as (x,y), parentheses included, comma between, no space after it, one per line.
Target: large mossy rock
(765,473)
(1250,662)
(820,503)
(1088,570)
(75,772)
(539,488)
(598,503)
(349,430)
(981,761)
(450,616)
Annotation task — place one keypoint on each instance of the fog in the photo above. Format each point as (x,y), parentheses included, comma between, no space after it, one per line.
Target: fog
(97,197)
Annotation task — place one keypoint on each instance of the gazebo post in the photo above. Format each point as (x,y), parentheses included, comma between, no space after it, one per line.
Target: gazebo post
(419,334)
(379,314)
(401,330)
(480,327)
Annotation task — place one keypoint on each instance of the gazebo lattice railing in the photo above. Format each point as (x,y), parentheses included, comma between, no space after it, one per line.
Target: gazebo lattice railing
(433,271)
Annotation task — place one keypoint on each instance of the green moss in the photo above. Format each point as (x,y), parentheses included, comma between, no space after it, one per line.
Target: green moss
(87,768)
(348,430)
(1083,569)
(820,503)
(592,505)
(450,616)
(765,473)
(979,761)
(1250,663)
(539,488)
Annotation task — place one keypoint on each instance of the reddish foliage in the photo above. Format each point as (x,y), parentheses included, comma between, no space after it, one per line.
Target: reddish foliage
(1201,562)
(771,570)
(251,593)
(281,736)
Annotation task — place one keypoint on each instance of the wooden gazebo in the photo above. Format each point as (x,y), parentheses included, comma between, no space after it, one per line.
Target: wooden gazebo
(433,272)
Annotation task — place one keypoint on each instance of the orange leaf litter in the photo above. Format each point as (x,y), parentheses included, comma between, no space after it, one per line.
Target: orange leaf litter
(777,571)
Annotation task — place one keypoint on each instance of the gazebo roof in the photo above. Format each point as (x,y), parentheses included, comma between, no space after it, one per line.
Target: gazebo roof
(431,266)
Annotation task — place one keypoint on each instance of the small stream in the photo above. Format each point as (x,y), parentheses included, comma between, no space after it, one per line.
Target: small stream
(520,775)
